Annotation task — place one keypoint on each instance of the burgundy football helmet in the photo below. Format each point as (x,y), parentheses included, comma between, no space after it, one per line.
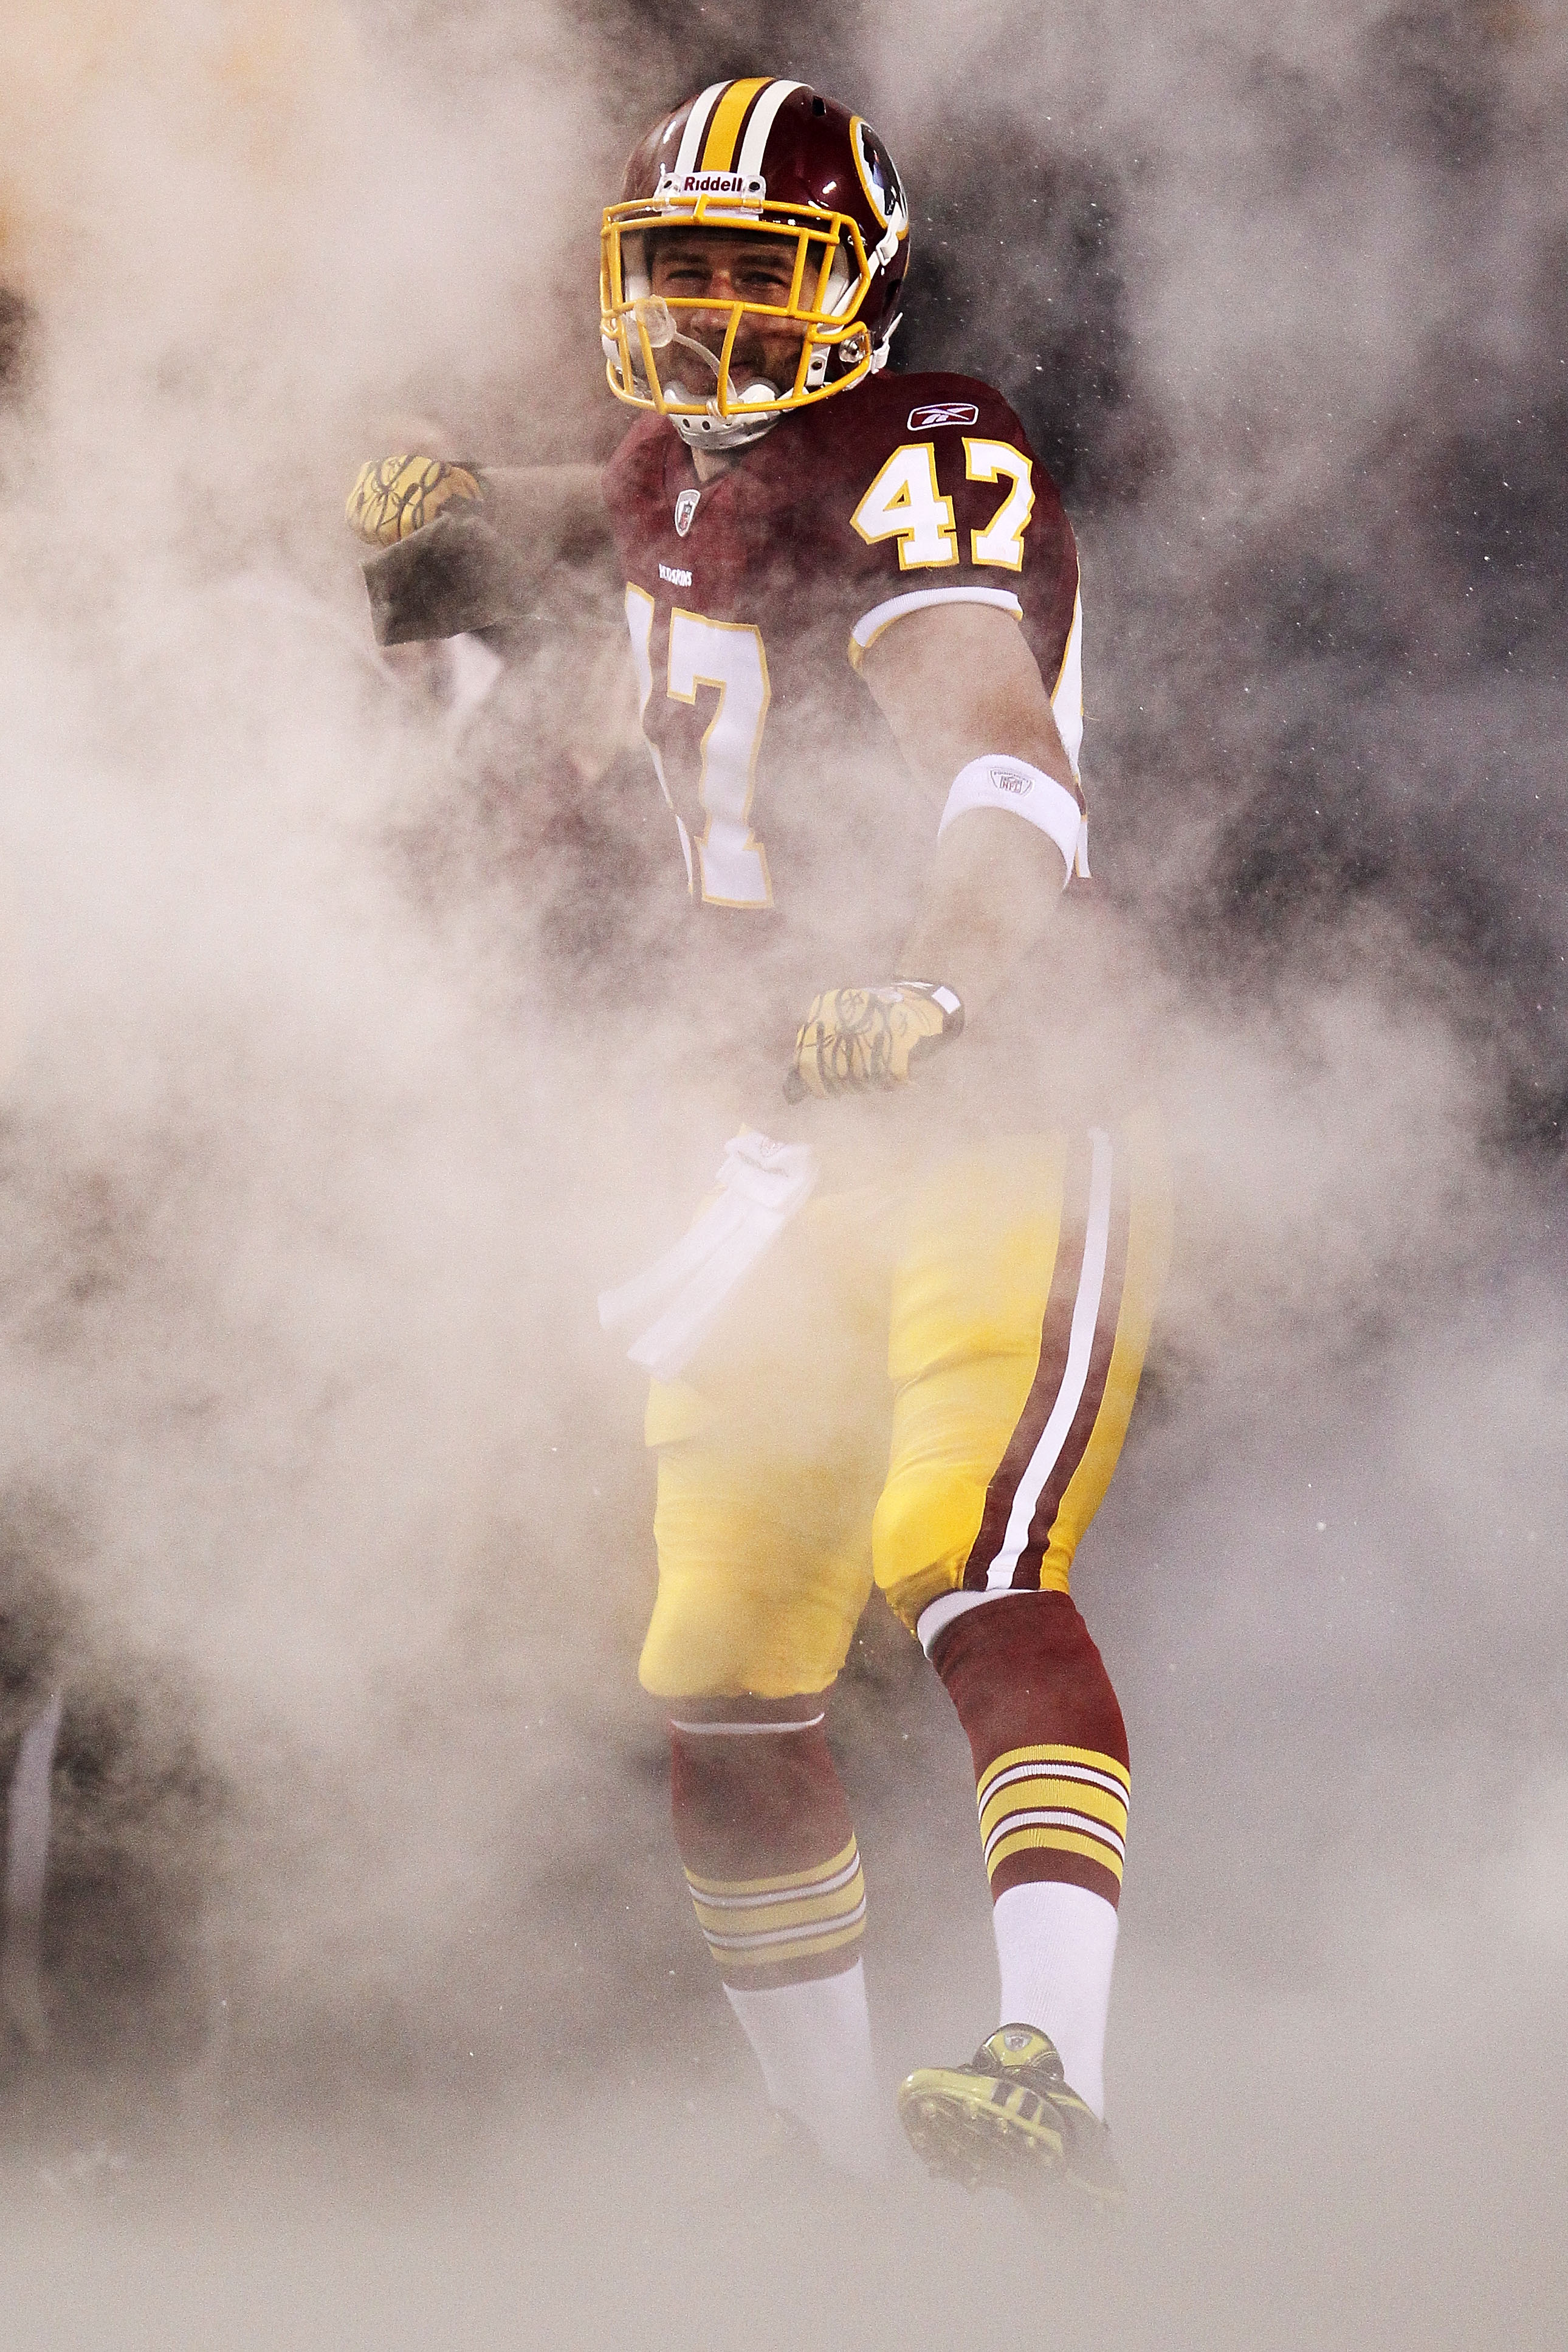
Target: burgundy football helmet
(771,157)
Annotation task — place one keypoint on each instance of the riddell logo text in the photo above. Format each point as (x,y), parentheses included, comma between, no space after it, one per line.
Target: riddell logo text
(943,411)
(1007,780)
(713,183)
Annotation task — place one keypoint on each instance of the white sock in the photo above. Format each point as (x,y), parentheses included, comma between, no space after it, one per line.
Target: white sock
(1056,1945)
(813,2042)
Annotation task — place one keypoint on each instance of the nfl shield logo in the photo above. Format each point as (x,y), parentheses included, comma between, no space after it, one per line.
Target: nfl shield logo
(685,507)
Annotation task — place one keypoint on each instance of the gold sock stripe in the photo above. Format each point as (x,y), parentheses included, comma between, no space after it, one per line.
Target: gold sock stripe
(754,1925)
(1049,1818)
(1056,1841)
(1097,1791)
(1066,1800)
(816,1890)
(1036,1793)
(832,1898)
(1085,1763)
(736,1890)
(827,1902)
(789,1943)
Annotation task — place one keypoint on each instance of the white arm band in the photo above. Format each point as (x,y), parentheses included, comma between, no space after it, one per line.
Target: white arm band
(999,783)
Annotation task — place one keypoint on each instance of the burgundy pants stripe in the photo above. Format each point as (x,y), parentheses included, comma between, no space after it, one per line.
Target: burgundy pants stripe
(1026,1576)
(1055,1332)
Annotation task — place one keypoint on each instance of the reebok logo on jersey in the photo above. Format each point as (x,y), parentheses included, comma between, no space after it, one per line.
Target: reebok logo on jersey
(943,411)
(685,507)
(675,575)
(1006,780)
(713,183)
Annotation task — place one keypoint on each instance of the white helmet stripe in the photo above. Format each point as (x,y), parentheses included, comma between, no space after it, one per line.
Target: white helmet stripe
(760,123)
(696,127)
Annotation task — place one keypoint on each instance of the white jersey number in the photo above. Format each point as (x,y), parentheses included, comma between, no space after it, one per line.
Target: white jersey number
(726,865)
(1002,541)
(905,503)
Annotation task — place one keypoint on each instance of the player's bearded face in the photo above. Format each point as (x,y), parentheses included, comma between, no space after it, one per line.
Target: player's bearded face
(714,270)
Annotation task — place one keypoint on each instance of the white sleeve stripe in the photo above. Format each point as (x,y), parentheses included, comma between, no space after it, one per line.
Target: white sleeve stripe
(695,124)
(1067,695)
(27,1825)
(871,626)
(750,161)
(938,1615)
(752,1731)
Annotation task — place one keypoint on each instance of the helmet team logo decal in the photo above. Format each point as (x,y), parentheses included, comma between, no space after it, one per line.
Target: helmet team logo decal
(878,178)
(943,411)
(685,507)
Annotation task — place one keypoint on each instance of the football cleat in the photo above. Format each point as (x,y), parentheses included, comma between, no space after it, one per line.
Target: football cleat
(1008,2120)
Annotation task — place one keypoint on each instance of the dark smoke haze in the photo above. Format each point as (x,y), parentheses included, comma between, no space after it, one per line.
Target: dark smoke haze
(379,2014)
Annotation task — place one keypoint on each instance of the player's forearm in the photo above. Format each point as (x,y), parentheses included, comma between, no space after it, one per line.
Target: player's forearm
(957,683)
(547,514)
(991,898)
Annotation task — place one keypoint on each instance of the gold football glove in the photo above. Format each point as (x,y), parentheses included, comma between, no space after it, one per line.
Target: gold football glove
(856,1040)
(395,497)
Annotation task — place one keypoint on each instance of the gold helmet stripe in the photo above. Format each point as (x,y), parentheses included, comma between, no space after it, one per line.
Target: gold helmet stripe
(724,131)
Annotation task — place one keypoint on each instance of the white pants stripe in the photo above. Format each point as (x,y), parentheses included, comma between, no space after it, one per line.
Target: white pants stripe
(1081,1346)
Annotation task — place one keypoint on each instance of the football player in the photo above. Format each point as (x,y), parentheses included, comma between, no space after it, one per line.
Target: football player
(854,611)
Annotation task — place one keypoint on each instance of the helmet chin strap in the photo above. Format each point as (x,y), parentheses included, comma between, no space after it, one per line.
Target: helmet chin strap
(716,432)
(712,431)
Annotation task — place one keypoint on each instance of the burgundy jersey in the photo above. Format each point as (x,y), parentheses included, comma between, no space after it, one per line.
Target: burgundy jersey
(751,600)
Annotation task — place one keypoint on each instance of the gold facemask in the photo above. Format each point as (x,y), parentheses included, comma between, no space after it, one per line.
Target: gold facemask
(645,347)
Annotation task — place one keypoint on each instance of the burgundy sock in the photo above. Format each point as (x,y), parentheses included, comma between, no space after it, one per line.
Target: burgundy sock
(769,1850)
(1047,1740)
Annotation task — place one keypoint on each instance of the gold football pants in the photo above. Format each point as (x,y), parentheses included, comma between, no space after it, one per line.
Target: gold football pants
(928,1386)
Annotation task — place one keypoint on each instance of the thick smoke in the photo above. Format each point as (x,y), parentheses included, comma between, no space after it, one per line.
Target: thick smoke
(333,1031)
